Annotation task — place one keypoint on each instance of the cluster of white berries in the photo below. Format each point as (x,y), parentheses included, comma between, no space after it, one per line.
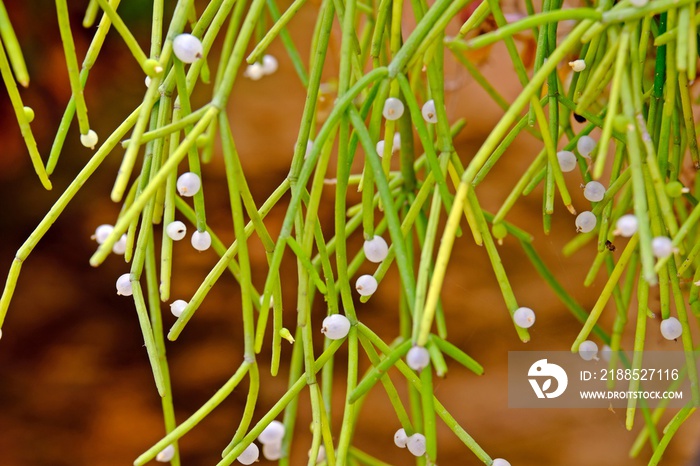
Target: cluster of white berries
(271,438)
(102,232)
(257,70)
(335,326)
(376,249)
(588,350)
(189,184)
(415,443)
(187,48)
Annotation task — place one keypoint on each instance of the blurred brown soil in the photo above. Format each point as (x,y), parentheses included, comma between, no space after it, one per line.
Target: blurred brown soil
(75,385)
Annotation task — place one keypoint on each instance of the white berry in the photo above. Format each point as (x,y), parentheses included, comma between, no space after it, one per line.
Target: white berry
(626,225)
(400,438)
(588,350)
(147,81)
(269,64)
(376,249)
(166,454)
(120,246)
(249,455)
(585,222)
(272,451)
(567,160)
(321,454)
(416,444)
(594,191)
(428,111)
(606,352)
(577,65)
(662,246)
(89,140)
(273,433)
(524,317)
(309,147)
(187,48)
(671,328)
(500,462)
(176,230)
(102,233)
(393,108)
(124,285)
(418,358)
(201,240)
(366,285)
(585,145)
(188,184)
(396,146)
(254,71)
(177,306)
(335,327)
(380,148)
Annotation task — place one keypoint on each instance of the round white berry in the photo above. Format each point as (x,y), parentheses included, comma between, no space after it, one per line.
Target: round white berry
(500,462)
(272,451)
(524,317)
(249,455)
(102,233)
(585,222)
(400,438)
(269,64)
(626,225)
(376,249)
(309,147)
(585,145)
(366,285)
(321,454)
(124,285)
(335,326)
(177,306)
(380,148)
(201,240)
(119,247)
(418,358)
(166,454)
(671,328)
(147,81)
(662,246)
(428,111)
(588,350)
(273,433)
(393,108)
(567,160)
(416,444)
(594,191)
(89,140)
(577,65)
(188,184)
(187,48)
(606,352)
(396,146)
(176,230)
(254,71)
